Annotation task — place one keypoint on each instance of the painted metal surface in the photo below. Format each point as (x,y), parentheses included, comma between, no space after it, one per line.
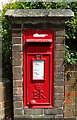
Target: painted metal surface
(38,68)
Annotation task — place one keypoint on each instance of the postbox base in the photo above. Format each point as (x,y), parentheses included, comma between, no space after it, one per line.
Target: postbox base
(51,117)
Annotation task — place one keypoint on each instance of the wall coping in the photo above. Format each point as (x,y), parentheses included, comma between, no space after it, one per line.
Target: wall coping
(60,13)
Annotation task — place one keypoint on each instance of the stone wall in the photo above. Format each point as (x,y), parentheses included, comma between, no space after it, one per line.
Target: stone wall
(5,99)
(17,61)
(6,109)
(70,110)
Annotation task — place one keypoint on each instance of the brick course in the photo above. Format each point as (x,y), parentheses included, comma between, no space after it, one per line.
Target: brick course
(70,91)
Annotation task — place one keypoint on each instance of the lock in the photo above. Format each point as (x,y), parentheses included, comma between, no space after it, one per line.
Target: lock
(38,73)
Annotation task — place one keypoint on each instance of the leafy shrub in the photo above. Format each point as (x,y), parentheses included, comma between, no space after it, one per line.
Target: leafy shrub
(71,28)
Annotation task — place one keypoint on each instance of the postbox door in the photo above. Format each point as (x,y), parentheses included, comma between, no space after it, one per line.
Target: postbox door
(38,80)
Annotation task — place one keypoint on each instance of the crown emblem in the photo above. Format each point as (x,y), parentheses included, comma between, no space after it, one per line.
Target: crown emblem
(38,86)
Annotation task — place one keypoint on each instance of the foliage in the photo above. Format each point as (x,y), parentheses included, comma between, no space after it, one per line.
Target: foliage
(71,28)
(71,56)
(71,37)
(6,49)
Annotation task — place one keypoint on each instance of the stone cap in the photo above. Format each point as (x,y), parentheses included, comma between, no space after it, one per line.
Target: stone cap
(60,13)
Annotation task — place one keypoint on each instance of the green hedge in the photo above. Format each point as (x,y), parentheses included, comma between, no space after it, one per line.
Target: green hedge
(71,29)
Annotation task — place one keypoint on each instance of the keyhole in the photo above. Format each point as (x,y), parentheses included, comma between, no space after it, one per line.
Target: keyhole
(38,56)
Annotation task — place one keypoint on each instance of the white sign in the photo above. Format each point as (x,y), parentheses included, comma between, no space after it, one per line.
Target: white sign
(40,35)
(38,69)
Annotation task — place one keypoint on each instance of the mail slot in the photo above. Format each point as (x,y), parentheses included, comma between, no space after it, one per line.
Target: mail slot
(38,68)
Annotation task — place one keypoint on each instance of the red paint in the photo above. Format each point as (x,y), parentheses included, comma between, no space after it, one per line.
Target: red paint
(38,93)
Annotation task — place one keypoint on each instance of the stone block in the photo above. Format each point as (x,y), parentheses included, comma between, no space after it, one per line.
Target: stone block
(71,94)
(71,88)
(17,73)
(68,114)
(59,89)
(60,40)
(60,47)
(34,26)
(33,111)
(17,104)
(17,47)
(17,91)
(60,54)
(74,74)
(16,62)
(68,101)
(50,111)
(59,69)
(56,26)
(71,81)
(59,75)
(69,107)
(16,26)
(17,97)
(17,76)
(17,111)
(2,95)
(60,33)
(17,83)
(17,70)
(16,40)
(17,55)
(59,96)
(59,61)
(59,83)
(58,103)
(16,33)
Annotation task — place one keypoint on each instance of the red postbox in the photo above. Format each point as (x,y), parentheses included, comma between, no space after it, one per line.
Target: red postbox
(38,68)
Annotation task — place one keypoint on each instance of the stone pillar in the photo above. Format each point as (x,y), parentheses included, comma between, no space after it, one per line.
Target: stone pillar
(36,19)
